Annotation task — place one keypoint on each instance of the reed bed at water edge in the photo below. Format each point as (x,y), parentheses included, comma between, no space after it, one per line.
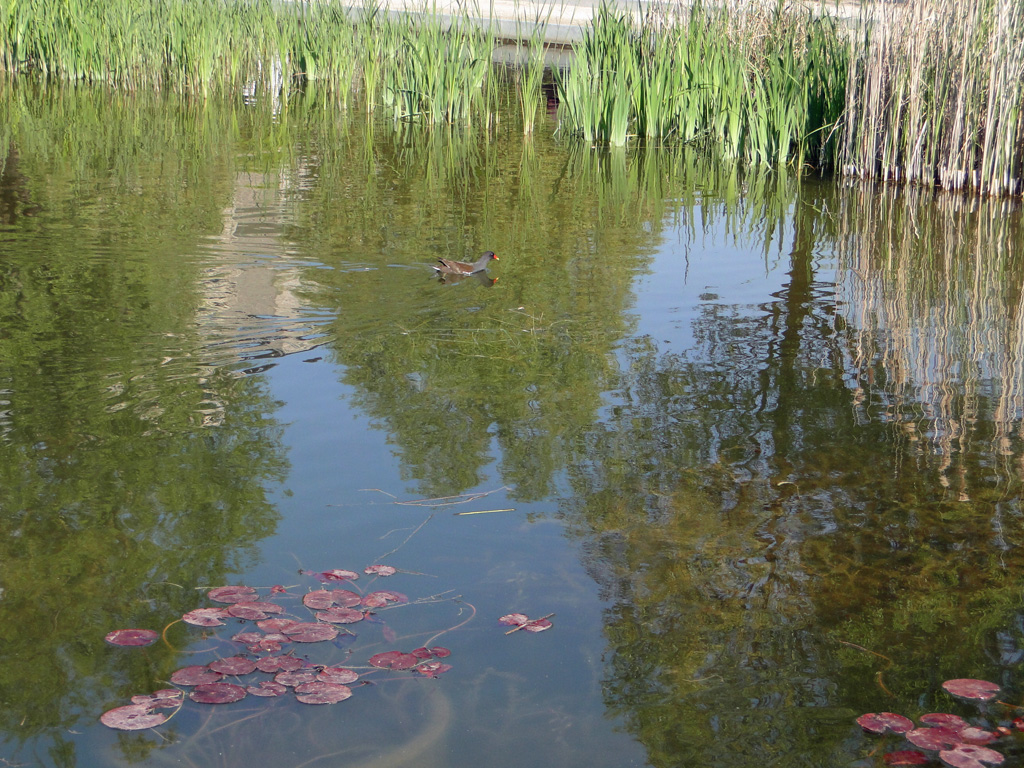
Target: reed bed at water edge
(414,66)
(929,92)
(936,95)
(758,84)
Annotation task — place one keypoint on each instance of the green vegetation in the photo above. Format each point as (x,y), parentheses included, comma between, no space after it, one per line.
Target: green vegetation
(924,92)
(758,88)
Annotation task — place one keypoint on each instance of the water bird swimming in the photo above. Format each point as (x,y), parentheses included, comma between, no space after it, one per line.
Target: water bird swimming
(452,267)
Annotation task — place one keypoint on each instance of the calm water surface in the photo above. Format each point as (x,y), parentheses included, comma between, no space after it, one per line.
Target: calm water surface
(756,444)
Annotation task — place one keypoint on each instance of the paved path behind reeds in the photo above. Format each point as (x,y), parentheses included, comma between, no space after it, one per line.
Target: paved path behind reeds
(564,20)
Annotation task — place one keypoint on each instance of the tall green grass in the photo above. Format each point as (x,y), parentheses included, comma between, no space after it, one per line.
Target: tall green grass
(752,86)
(928,92)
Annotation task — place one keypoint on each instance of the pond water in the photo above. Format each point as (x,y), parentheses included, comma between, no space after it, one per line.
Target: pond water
(754,443)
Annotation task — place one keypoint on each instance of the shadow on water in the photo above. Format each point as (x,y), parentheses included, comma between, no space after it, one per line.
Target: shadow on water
(833,458)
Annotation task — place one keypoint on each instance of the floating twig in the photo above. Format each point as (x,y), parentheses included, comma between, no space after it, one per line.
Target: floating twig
(485,511)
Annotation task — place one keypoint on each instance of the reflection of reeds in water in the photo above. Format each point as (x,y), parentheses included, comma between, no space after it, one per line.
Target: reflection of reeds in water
(933,293)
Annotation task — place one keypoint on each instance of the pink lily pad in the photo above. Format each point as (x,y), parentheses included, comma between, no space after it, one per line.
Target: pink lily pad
(133,717)
(195,675)
(231,594)
(977,736)
(249,638)
(132,637)
(880,722)
(511,619)
(241,611)
(345,598)
(217,693)
(233,665)
(941,718)
(318,600)
(937,737)
(433,668)
(393,660)
(439,652)
(298,677)
(340,615)
(275,625)
(266,688)
(537,625)
(382,597)
(380,570)
(319,692)
(970,756)
(310,632)
(166,698)
(273,664)
(905,757)
(966,688)
(339,675)
(205,617)
(337,574)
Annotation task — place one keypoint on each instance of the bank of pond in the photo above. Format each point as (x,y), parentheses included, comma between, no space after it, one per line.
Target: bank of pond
(921,92)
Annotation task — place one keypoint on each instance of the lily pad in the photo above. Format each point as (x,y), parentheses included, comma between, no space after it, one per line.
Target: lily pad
(937,737)
(382,597)
(232,594)
(205,617)
(905,757)
(966,688)
(274,664)
(217,693)
(970,756)
(380,570)
(132,717)
(266,688)
(880,722)
(165,698)
(433,668)
(132,637)
(297,677)
(195,675)
(275,625)
(242,611)
(233,665)
(319,692)
(310,632)
(340,616)
(393,660)
(977,736)
(339,675)
(537,625)
(941,718)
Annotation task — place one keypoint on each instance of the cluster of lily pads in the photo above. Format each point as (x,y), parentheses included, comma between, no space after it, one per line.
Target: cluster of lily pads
(269,649)
(957,742)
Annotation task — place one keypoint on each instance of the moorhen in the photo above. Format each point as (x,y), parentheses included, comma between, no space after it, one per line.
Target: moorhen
(452,267)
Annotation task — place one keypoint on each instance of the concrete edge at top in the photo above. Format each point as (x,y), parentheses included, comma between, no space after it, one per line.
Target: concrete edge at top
(564,20)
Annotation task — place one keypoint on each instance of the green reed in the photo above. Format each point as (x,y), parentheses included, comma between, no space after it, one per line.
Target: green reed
(752,85)
(529,72)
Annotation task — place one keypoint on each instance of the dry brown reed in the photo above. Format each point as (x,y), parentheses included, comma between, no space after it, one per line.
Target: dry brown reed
(935,95)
